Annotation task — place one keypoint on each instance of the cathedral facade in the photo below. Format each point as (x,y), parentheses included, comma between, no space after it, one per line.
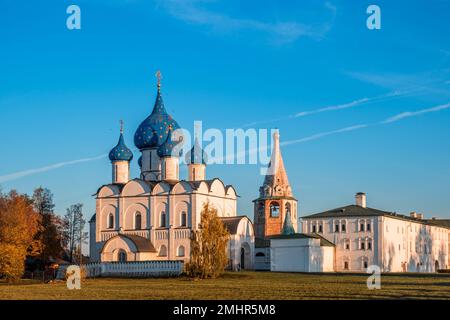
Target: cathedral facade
(151,217)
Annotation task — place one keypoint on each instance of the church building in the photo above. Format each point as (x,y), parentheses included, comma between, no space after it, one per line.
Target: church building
(151,217)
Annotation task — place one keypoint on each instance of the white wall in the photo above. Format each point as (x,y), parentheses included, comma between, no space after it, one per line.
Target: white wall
(300,255)
(412,246)
(137,196)
(356,254)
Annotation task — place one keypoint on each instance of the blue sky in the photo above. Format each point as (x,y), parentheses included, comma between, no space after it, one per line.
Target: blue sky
(232,63)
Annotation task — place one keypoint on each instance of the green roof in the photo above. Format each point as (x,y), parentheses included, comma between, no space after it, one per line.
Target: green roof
(323,242)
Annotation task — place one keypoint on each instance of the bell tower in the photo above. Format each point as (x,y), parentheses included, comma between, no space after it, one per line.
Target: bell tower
(276,203)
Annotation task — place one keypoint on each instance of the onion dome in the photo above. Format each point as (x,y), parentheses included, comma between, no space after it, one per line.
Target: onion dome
(120,152)
(153,131)
(168,147)
(196,155)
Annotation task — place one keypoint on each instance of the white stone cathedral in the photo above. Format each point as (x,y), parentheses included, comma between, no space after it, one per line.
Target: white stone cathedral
(151,217)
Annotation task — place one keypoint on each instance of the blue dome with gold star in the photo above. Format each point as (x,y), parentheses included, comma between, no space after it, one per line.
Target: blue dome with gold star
(153,131)
(167,149)
(120,152)
(196,155)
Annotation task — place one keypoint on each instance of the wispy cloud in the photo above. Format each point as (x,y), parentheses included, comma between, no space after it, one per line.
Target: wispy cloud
(347,105)
(336,107)
(29,172)
(325,134)
(398,117)
(196,12)
(410,114)
(426,82)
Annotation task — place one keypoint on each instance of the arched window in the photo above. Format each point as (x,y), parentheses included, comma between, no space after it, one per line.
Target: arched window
(260,254)
(347,244)
(122,256)
(163,251)
(274,209)
(365,263)
(162,220)
(138,221)
(111,221)
(183,222)
(180,251)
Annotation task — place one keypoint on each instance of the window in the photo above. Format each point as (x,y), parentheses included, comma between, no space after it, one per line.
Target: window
(343,227)
(363,246)
(180,251)
(138,221)
(345,265)
(163,251)
(274,210)
(122,256)
(347,245)
(361,226)
(260,254)
(369,245)
(365,264)
(314,228)
(183,219)
(320,229)
(336,227)
(369,227)
(111,221)
(162,221)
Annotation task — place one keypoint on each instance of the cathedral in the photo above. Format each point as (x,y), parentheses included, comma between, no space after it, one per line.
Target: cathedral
(151,217)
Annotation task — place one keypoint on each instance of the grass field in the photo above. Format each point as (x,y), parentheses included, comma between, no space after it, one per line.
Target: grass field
(243,285)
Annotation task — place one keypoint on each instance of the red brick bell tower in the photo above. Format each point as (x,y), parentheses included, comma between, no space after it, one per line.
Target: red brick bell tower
(275,198)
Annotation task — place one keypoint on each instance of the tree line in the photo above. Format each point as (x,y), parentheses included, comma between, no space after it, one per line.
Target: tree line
(33,235)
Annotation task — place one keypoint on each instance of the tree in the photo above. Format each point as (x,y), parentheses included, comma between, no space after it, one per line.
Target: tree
(208,246)
(73,234)
(19,223)
(50,231)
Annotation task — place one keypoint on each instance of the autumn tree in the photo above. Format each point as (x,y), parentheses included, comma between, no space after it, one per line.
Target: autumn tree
(19,223)
(208,246)
(50,229)
(73,230)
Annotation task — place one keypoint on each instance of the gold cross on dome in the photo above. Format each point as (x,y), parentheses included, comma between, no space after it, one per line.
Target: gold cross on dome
(159,77)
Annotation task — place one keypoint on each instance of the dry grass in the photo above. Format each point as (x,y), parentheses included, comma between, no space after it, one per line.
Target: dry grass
(244,285)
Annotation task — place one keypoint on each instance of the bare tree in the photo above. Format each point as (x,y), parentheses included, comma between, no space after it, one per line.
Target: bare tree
(73,230)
